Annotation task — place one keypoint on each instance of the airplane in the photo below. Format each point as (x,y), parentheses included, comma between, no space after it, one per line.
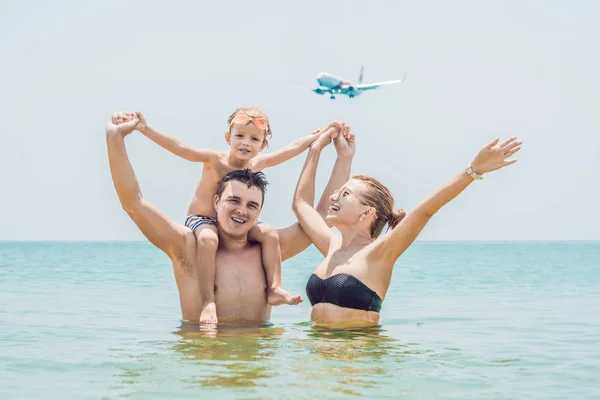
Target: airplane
(334,85)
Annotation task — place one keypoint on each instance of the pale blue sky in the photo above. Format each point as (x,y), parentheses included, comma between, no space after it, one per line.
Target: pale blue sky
(475,70)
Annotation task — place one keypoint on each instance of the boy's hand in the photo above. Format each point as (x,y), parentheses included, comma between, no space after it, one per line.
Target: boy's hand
(323,139)
(127,116)
(325,135)
(333,129)
(142,125)
(314,135)
(122,116)
(122,124)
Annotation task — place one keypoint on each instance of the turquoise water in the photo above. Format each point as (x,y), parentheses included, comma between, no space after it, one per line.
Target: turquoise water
(461,320)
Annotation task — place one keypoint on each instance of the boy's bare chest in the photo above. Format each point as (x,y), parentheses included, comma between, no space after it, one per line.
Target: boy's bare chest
(211,175)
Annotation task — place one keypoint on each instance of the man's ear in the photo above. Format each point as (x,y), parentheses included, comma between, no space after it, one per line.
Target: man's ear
(216,203)
(228,138)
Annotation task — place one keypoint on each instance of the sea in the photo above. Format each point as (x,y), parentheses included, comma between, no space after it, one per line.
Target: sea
(462,320)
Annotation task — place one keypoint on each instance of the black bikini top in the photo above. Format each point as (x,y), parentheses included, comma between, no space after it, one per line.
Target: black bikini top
(342,290)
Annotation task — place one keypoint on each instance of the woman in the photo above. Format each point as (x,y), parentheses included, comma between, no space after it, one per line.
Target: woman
(351,283)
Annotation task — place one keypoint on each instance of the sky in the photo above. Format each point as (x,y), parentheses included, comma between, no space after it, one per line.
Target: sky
(475,70)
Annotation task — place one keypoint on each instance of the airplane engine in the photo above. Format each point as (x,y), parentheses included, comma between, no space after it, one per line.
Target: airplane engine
(352,92)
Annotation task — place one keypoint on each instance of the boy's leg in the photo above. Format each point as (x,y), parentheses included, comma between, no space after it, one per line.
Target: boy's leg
(267,236)
(207,242)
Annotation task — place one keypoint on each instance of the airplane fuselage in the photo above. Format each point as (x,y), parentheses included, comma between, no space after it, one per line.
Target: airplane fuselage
(337,85)
(330,81)
(334,85)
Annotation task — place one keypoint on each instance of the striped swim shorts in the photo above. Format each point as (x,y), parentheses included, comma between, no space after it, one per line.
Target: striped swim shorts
(195,221)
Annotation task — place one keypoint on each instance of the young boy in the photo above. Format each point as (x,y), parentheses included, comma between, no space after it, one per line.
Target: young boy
(247,136)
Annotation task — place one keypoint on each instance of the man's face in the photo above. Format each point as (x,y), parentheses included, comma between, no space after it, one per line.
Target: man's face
(238,208)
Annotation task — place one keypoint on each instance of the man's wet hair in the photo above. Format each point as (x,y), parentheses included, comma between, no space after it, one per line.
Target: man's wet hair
(246,176)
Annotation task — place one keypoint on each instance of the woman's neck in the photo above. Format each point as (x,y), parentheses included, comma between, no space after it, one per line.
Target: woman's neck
(354,237)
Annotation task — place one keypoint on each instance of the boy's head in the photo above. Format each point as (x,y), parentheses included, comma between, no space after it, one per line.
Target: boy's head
(248,132)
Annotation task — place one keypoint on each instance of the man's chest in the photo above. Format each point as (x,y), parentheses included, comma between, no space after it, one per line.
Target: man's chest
(240,272)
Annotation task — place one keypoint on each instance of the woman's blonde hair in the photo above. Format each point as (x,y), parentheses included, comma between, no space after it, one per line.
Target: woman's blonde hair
(379,197)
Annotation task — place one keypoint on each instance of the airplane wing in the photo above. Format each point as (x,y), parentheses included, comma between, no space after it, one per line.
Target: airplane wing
(369,86)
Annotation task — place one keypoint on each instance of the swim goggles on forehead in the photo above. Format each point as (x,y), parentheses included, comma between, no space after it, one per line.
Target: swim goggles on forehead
(260,122)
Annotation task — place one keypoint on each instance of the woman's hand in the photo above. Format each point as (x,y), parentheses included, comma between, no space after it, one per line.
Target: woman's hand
(494,156)
(344,143)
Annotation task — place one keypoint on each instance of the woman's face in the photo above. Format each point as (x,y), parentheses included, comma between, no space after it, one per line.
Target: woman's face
(346,205)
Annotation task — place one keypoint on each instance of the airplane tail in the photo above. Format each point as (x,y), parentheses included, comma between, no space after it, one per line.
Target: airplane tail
(360,77)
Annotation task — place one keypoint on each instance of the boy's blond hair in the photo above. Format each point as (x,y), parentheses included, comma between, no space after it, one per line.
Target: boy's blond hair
(253,111)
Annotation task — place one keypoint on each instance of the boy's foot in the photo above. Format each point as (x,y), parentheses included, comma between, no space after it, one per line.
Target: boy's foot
(209,314)
(278,296)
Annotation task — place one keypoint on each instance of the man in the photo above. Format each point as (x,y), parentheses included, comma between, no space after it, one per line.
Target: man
(240,283)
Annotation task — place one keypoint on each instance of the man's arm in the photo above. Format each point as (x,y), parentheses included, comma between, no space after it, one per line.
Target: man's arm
(172,144)
(279,156)
(157,228)
(292,240)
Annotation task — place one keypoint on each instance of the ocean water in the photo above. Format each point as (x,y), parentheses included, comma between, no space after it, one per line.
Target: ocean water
(461,321)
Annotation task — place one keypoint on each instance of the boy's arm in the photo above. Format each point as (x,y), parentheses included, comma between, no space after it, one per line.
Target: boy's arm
(285,153)
(173,144)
